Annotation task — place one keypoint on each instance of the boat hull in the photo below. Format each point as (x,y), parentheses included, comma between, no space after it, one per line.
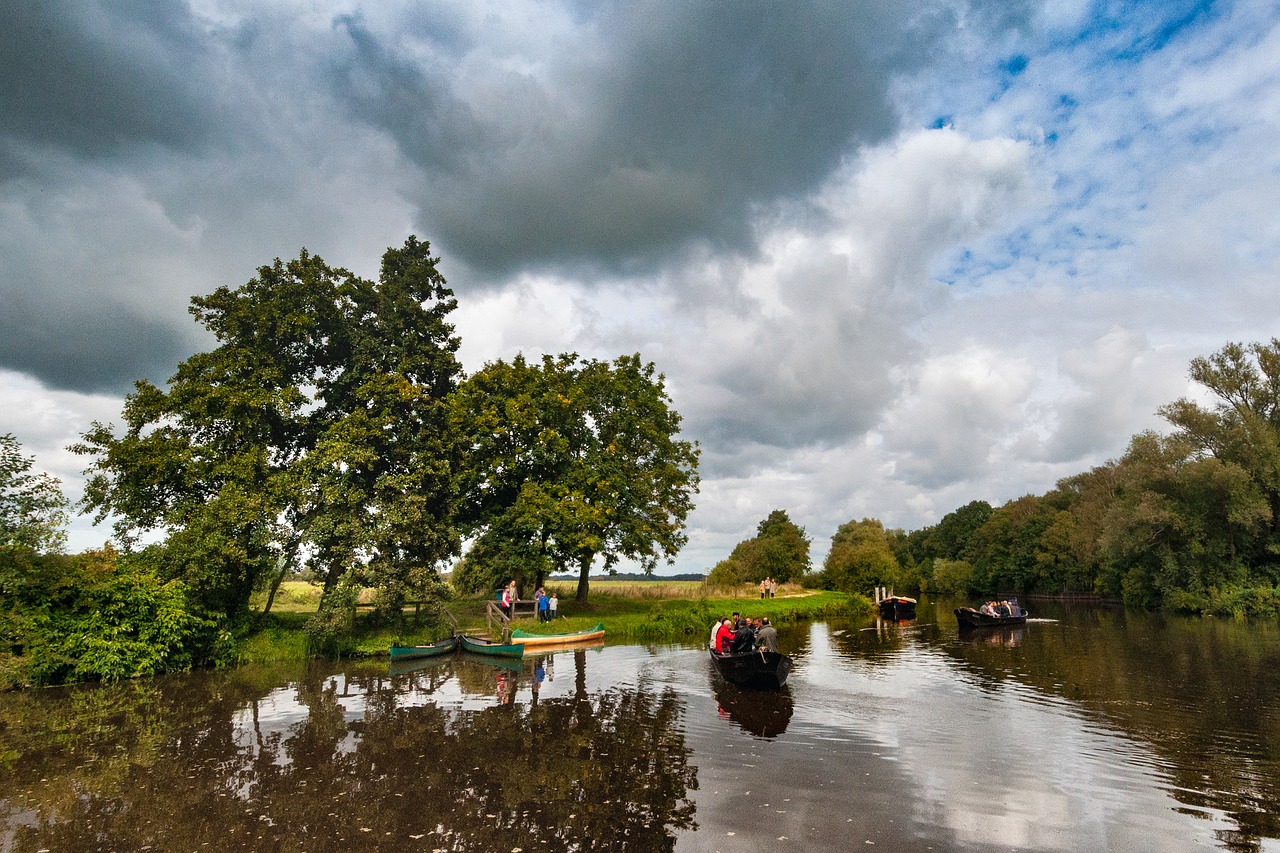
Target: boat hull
(897,608)
(754,670)
(431,650)
(536,640)
(968,619)
(481,646)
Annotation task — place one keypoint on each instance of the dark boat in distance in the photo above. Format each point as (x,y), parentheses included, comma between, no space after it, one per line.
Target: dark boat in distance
(430,650)
(897,607)
(993,614)
(753,670)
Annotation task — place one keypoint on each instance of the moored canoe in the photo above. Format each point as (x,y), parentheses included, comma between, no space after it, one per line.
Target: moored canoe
(483,646)
(529,640)
(430,650)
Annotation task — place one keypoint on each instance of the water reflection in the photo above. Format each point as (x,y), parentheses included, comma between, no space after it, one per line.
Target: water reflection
(763,713)
(1007,637)
(1101,730)
(363,759)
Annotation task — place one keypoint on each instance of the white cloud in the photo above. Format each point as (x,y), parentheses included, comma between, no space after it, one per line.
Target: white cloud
(857,316)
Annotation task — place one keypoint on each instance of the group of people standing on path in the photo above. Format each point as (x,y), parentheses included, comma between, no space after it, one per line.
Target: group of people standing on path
(768,587)
(739,634)
(546,604)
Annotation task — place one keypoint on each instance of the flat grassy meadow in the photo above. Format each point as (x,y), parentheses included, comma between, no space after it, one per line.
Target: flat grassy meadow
(632,611)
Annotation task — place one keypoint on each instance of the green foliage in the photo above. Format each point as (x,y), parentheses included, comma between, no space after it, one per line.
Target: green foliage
(860,558)
(95,616)
(1188,521)
(951,577)
(33,510)
(315,435)
(952,536)
(779,550)
(330,630)
(571,460)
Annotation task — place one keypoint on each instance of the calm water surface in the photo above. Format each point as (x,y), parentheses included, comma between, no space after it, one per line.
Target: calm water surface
(1088,729)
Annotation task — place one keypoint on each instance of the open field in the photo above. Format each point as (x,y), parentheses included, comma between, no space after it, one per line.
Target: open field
(631,611)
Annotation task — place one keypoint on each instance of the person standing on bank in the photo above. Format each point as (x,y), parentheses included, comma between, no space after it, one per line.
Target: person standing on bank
(551,607)
(544,605)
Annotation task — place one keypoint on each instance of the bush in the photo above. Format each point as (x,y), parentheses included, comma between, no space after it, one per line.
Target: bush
(96,616)
(951,577)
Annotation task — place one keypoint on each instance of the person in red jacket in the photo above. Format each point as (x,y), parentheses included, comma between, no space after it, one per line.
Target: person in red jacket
(724,637)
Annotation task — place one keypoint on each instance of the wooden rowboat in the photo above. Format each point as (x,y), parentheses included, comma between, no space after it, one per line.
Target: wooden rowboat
(754,670)
(485,646)
(430,650)
(1004,613)
(529,641)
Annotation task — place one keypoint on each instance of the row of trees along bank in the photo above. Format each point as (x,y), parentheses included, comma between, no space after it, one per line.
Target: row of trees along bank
(331,431)
(1188,520)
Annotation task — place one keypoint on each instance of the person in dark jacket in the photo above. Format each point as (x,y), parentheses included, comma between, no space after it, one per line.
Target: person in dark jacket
(744,639)
(766,636)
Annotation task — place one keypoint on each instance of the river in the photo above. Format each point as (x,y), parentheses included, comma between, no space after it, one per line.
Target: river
(1091,728)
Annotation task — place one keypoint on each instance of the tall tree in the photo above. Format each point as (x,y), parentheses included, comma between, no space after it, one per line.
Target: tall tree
(860,558)
(33,510)
(1243,425)
(779,550)
(315,433)
(577,460)
(951,536)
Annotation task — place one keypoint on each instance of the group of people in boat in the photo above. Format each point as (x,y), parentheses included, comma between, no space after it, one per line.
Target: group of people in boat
(999,608)
(740,634)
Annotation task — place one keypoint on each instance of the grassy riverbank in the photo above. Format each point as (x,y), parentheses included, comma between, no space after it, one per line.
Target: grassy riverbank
(631,612)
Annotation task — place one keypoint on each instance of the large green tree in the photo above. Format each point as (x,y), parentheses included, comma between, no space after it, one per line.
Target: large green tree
(779,550)
(1179,525)
(571,460)
(316,433)
(1242,426)
(33,510)
(860,558)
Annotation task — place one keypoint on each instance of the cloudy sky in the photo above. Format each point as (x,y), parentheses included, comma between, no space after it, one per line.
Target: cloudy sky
(892,256)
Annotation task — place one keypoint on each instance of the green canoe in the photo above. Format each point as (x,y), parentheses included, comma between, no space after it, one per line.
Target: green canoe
(482,646)
(439,647)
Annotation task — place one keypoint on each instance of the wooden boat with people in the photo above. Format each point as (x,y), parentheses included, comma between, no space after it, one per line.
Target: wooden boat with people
(430,650)
(529,640)
(993,614)
(485,646)
(759,670)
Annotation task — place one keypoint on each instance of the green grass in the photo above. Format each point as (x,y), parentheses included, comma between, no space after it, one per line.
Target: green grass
(630,611)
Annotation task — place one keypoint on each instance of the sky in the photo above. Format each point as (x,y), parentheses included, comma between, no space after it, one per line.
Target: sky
(891,256)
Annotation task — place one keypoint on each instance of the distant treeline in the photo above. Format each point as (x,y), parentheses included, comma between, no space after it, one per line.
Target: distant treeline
(633,576)
(1186,521)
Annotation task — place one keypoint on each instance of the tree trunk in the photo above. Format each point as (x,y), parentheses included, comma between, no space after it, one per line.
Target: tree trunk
(275,586)
(584,569)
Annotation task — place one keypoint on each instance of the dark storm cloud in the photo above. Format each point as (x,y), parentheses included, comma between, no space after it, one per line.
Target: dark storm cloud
(102,349)
(163,150)
(669,124)
(91,78)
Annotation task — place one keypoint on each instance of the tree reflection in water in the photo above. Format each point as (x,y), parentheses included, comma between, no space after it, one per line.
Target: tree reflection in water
(350,762)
